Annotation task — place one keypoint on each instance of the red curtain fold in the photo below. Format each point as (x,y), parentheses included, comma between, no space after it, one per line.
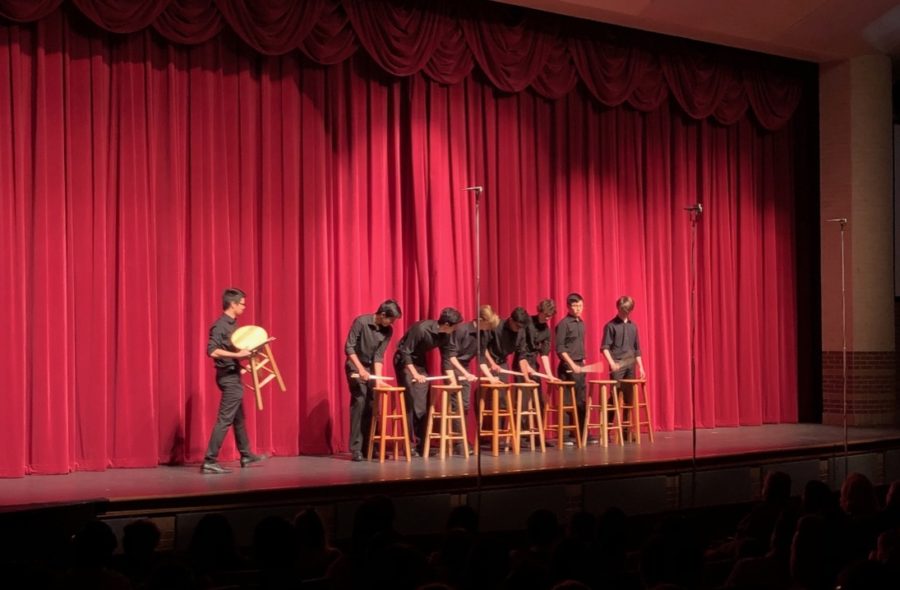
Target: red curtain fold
(510,46)
(516,49)
(698,81)
(27,10)
(189,21)
(332,39)
(451,61)
(773,96)
(122,16)
(400,38)
(273,27)
(558,76)
(611,72)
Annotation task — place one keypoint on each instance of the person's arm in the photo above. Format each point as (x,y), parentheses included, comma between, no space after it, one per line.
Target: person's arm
(524,343)
(459,366)
(545,361)
(406,349)
(495,368)
(607,343)
(378,367)
(350,350)
(526,370)
(637,355)
(217,347)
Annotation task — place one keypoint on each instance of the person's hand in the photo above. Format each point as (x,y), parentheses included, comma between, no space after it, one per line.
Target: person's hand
(243,353)
(614,366)
(419,378)
(576,369)
(528,379)
(641,373)
(364,375)
(495,369)
(470,377)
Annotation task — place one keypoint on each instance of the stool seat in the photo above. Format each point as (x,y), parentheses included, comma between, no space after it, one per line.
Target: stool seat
(604,390)
(493,410)
(562,403)
(631,412)
(389,423)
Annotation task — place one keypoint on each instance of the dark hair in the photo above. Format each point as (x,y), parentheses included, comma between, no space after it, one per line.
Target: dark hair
(450,316)
(390,309)
(574,298)
(232,295)
(520,316)
(547,306)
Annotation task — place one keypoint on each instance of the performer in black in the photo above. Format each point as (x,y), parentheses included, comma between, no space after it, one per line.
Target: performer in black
(535,345)
(228,378)
(368,338)
(459,348)
(570,349)
(621,345)
(505,339)
(409,364)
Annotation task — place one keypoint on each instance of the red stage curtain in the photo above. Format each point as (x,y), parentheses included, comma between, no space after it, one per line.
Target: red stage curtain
(138,179)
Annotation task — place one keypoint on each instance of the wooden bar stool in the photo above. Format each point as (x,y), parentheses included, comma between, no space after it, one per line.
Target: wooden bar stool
(532,413)
(451,423)
(389,423)
(492,392)
(604,390)
(639,400)
(561,402)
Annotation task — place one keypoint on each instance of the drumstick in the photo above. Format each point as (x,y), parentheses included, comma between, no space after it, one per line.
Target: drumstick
(437,378)
(592,368)
(373,377)
(508,372)
(542,376)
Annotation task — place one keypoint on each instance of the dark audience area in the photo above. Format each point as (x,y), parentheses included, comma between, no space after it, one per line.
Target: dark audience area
(847,539)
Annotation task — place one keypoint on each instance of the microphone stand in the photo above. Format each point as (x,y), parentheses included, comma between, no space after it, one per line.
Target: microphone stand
(477,270)
(695,212)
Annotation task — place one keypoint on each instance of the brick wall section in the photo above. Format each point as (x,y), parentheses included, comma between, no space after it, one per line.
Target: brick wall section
(871,387)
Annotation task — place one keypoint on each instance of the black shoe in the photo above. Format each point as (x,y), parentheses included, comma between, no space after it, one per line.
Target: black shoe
(247,460)
(415,452)
(459,450)
(357,457)
(593,440)
(213,468)
(569,442)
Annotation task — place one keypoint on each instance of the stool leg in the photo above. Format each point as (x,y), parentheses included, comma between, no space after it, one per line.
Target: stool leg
(405,426)
(372,423)
(513,423)
(443,439)
(429,426)
(495,422)
(462,424)
(479,421)
(383,442)
(604,418)
(649,412)
(540,424)
(635,412)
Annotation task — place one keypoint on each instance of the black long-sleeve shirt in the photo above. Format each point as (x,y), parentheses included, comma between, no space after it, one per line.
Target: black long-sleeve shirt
(535,343)
(504,341)
(462,344)
(220,338)
(367,340)
(570,338)
(620,338)
(413,348)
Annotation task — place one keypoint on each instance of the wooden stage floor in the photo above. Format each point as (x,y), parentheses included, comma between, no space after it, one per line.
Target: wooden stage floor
(331,478)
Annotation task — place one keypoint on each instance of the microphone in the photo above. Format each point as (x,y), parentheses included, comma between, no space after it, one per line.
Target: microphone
(841,220)
(477,189)
(698,208)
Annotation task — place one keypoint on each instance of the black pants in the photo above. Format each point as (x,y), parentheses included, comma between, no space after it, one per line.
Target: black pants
(566,374)
(416,396)
(231,413)
(361,399)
